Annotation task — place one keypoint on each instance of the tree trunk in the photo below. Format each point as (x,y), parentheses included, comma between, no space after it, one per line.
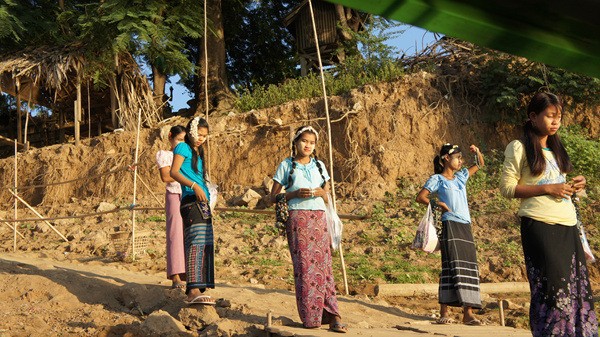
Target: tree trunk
(61,4)
(219,94)
(160,80)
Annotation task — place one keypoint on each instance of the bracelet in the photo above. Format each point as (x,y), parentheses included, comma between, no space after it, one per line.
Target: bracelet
(192,185)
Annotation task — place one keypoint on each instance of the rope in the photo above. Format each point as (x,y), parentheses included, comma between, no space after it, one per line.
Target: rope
(77,179)
(137,208)
(314,25)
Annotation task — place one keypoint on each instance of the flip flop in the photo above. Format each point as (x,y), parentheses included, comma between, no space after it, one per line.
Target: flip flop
(338,327)
(201,299)
(474,321)
(444,320)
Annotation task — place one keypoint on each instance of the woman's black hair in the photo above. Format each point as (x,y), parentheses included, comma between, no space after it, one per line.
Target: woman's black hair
(200,153)
(176,130)
(438,165)
(531,137)
(290,179)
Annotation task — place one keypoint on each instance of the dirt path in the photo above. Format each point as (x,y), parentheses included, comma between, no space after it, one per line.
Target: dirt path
(42,296)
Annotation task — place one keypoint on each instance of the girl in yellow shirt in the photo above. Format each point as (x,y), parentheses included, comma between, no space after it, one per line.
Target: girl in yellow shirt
(535,170)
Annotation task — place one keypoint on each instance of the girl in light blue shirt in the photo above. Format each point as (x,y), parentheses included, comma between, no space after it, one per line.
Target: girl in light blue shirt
(459,279)
(306,184)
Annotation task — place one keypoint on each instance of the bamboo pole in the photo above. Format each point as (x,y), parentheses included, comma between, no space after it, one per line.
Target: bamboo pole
(38,215)
(332,182)
(16,203)
(14,230)
(135,169)
(150,190)
(432,288)
(206,87)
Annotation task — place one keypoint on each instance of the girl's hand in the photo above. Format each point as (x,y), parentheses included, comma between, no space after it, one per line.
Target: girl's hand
(200,196)
(474,149)
(578,183)
(559,191)
(443,206)
(305,193)
(319,192)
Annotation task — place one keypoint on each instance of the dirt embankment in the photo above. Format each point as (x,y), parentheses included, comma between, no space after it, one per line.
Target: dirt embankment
(384,138)
(380,133)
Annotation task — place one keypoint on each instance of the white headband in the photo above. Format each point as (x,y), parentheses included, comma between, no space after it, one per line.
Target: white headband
(194,128)
(304,129)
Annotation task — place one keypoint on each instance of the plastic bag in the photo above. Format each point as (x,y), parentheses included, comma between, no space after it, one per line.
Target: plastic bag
(426,238)
(589,256)
(213,194)
(334,224)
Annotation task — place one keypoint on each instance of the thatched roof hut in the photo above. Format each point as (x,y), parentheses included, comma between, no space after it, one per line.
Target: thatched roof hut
(56,77)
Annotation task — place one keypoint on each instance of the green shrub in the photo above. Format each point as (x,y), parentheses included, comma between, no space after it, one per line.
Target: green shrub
(585,156)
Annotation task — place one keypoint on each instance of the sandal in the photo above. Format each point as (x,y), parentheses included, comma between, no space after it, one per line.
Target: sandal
(338,327)
(474,321)
(201,299)
(444,320)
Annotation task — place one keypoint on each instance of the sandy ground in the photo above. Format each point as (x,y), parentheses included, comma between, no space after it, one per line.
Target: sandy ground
(46,297)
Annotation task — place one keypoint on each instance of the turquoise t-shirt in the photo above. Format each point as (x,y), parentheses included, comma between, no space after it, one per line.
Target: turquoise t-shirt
(453,193)
(304,176)
(184,150)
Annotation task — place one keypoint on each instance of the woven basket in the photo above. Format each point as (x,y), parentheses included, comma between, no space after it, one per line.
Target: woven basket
(122,243)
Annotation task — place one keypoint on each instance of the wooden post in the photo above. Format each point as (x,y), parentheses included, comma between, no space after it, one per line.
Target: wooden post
(135,168)
(77,113)
(332,181)
(269,323)
(113,102)
(16,203)
(25,141)
(38,215)
(303,66)
(89,104)
(19,112)
(501,309)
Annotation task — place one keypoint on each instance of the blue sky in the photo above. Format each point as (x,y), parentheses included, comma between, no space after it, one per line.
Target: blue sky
(412,40)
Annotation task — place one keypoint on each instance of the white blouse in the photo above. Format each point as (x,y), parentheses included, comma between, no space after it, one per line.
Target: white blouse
(163,159)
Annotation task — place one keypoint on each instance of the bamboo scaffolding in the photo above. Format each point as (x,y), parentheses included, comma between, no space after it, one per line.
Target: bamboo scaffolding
(39,215)
(332,182)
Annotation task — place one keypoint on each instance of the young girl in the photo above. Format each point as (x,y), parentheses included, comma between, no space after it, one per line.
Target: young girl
(534,170)
(189,169)
(305,180)
(175,252)
(459,279)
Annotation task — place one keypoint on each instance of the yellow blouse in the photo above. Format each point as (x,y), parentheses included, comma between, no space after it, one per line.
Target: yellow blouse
(545,208)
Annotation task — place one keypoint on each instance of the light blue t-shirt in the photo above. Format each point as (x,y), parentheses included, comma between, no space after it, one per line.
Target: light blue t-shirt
(453,193)
(304,176)
(184,150)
